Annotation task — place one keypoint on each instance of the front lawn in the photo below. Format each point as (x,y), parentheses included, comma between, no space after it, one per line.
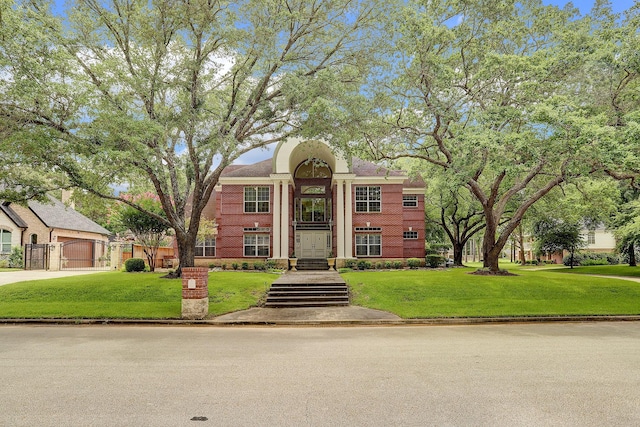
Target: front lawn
(455,293)
(126,295)
(606,270)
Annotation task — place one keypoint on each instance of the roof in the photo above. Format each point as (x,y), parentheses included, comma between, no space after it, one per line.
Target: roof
(13,216)
(360,168)
(260,169)
(57,215)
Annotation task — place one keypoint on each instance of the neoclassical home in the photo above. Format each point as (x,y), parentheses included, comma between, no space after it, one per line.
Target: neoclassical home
(311,202)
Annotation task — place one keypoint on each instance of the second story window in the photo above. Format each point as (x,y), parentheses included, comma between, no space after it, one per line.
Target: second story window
(368,199)
(256,199)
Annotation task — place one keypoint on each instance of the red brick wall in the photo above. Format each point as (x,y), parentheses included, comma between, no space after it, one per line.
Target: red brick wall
(391,220)
(232,220)
(414,218)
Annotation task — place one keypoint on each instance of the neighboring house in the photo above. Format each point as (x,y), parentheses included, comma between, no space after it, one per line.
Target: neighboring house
(312,202)
(598,240)
(43,223)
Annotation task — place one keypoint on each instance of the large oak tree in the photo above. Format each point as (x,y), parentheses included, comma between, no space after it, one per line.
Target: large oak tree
(171,91)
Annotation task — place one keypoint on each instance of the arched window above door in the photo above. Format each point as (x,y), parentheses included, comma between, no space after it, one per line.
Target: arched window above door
(314,168)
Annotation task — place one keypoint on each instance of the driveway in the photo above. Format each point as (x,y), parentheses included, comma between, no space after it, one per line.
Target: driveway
(7,277)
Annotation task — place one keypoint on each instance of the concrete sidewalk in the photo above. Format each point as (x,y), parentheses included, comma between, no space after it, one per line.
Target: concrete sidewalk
(307,316)
(7,277)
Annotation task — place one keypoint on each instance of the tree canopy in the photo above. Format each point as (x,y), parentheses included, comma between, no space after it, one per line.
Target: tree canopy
(170,91)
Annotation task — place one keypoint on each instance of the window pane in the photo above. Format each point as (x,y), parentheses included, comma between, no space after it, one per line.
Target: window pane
(263,193)
(374,206)
(374,193)
(263,206)
(249,194)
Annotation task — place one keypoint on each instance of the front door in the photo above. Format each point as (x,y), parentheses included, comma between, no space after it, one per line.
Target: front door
(314,244)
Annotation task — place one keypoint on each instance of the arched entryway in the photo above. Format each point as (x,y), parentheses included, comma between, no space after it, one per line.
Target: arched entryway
(313,209)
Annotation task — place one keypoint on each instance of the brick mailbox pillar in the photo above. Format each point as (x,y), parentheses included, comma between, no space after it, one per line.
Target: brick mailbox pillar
(195,292)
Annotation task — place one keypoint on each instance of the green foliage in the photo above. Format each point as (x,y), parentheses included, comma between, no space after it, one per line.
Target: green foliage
(413,263)
(434,261)
(397,265)
(350,263)
(181,91)
(388,265)
(553,235)
(363,264)
(134,265)
(271,264)
(245,265)
(260,266)
(16,258)
(592,258)
(234,265)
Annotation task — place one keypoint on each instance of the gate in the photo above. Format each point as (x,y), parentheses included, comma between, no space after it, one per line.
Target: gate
(36,256)
(84,255)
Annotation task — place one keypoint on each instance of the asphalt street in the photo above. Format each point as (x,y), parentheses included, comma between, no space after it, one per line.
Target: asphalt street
(560,374)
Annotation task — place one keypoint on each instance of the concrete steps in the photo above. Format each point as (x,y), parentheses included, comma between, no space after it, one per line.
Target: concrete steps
(308,289)
(312,264)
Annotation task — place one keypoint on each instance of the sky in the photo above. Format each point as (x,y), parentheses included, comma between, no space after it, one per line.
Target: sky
(585,5)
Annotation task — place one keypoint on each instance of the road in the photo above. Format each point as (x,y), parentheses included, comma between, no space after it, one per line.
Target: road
(562,374)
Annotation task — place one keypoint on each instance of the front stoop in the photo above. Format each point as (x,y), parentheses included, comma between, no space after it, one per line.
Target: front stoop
(308,289)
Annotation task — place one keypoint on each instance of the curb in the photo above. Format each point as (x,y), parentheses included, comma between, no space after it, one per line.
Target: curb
(403,322)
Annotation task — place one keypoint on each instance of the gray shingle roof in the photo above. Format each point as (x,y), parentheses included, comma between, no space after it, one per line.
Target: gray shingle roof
(57,215)
(13,216)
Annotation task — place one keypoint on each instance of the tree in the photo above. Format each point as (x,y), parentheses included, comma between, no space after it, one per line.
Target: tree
(554,235)
(455,212)
(147,229)
(171,91)
(486,91)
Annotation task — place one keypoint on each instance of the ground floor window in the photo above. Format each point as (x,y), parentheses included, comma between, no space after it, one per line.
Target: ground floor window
(206,247)
(368,245)
(5,241)
(256,245)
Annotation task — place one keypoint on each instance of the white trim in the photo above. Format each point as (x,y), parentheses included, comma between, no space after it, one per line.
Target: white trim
(379,180)
(416,191)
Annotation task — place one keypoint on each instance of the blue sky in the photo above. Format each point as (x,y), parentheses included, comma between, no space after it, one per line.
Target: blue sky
(586,5)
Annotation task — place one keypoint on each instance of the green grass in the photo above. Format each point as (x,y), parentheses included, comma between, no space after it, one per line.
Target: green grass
(3,269)
(455,293)
(607,270)
(125,295)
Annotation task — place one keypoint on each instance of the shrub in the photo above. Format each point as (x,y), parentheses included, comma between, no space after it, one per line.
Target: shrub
(245,265)
(397,264)
(212,265)
(413,263)
(388,264)
(235,265)
(577,259)
(271,264)
(350,263)
(379,265)
(589,261)
(363,264)
(224,266)
(532,262)
(434,261)
(15,259)
(134,264)
(259,266)
(4,263)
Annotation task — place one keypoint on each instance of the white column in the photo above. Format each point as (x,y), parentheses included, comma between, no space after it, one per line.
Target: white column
(340,219)
(348,221)
(284,224)
(276,220)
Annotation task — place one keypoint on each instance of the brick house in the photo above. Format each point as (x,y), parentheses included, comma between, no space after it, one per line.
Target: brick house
(312,202)
(52,222)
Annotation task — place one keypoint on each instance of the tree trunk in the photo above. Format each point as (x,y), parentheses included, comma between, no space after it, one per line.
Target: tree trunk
(523,259)
(458,248)
(632,254)
(186,250)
